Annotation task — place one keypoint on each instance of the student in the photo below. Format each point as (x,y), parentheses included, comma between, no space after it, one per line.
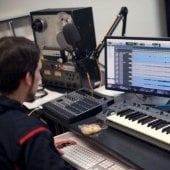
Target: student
(25,142)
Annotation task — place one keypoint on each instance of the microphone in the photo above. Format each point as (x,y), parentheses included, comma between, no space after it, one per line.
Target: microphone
(71,35)
(83,61)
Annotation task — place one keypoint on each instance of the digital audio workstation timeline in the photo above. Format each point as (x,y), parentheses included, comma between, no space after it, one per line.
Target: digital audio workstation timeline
(139,65)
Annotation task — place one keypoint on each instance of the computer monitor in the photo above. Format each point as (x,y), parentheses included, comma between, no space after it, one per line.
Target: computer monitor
(138,65)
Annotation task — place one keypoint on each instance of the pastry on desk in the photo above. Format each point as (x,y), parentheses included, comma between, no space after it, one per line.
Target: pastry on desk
(89,129)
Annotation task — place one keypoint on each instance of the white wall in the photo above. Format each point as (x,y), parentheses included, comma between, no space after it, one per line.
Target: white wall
(145,17)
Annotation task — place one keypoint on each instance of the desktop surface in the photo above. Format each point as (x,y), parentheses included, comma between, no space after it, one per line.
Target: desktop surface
(129,148)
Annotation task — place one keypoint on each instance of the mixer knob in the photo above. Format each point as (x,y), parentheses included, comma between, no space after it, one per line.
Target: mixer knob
(147,108)
(138,105)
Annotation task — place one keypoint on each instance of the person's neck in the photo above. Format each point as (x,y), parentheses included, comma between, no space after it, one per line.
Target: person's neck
(19,94)
(15,97)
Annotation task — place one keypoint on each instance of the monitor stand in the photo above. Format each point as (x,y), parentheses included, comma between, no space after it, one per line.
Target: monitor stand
(143,99)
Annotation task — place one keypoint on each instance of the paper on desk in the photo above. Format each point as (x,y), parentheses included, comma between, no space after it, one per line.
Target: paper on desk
(107,92)
(50,96)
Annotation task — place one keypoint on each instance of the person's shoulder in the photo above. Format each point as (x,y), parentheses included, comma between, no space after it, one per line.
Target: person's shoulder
(30,127)
(17,126)
(21,118)
(23,124)
(29,122)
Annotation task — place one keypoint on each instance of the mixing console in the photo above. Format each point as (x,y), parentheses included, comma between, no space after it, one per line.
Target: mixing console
(77,105)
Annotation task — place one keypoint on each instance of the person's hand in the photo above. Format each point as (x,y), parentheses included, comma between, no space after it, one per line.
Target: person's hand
(60,143)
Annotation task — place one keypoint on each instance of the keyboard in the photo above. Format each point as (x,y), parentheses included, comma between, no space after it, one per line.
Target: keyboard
(144,122)
(77,105)
(85,158)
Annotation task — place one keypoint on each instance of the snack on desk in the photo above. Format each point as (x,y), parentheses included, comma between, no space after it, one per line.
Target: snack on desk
(89,129)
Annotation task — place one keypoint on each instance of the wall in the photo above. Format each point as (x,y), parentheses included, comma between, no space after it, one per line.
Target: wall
(145,17)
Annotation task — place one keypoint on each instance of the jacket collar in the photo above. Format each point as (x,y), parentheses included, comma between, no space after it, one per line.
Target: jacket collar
(7,103)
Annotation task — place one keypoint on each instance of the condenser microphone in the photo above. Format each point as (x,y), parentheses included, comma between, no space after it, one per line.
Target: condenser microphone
(71,35)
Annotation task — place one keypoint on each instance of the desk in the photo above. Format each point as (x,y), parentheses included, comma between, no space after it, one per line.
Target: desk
(123,146)
(135,151)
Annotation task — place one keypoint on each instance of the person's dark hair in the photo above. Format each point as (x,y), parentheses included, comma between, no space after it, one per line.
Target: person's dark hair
(18,56)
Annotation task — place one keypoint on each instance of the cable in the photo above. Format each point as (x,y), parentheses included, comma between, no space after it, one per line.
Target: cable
(100,73)
(89,81)
(37,108)
(100,76)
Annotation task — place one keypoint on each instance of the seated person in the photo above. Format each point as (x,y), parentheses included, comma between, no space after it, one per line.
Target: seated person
(25,142)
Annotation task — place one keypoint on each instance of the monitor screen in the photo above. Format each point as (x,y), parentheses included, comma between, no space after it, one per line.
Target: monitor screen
(138,65)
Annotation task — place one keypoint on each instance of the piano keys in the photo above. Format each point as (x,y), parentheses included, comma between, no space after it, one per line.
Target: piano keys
(146,123)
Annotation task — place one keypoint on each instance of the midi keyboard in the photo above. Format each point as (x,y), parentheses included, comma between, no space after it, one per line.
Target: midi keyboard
(147,123)
(77,105)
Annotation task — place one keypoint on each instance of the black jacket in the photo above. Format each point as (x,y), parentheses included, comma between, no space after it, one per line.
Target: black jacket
(25,142)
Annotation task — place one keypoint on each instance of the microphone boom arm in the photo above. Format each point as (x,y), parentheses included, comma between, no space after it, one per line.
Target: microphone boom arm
(124,23)
(121,16)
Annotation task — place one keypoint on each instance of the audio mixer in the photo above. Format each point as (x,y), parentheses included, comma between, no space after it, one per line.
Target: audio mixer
(77,105)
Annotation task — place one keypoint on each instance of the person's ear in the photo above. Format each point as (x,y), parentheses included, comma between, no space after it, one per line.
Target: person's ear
(28,79)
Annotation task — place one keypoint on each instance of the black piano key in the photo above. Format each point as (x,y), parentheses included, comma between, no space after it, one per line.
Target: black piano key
(154,123)
(125,112)
(161,125)
(139,116)
(146,120)
(166,130)
(135,114)
(129,115)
